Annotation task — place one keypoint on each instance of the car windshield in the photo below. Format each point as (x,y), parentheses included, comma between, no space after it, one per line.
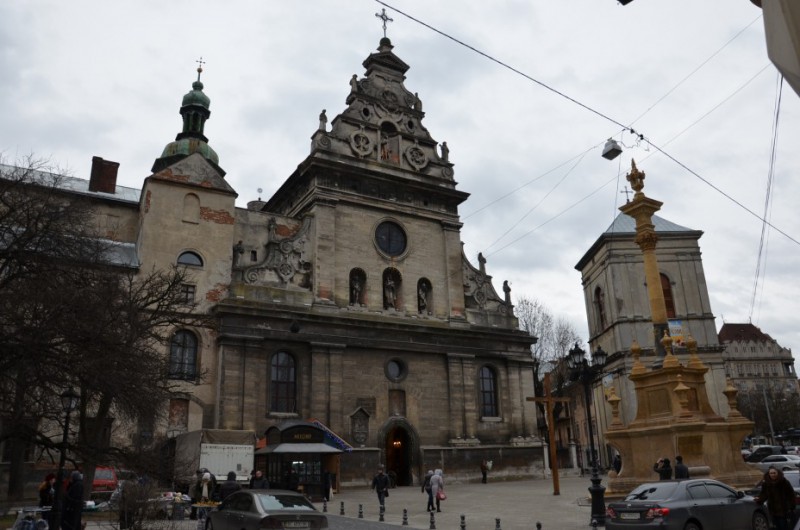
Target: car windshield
(653,492)
(103,474)
(284,502)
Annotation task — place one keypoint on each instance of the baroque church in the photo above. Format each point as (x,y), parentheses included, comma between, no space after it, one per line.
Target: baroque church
(344,299)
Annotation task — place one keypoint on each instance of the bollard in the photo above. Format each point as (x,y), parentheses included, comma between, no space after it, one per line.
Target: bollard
(433,522)
(360,511)
(405,517)
(341,509)
(324,506)
(594,524)
(463,522)
(497,524)
(538,525)
(380,516)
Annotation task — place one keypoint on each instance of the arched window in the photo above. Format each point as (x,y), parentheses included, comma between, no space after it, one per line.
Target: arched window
(600,308)
(183,356)
(488,384)
(283,383)
(192,259)
(669,301)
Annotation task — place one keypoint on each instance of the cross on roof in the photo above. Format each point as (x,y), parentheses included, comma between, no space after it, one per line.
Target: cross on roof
(200,62)
(383,16)
(627,193)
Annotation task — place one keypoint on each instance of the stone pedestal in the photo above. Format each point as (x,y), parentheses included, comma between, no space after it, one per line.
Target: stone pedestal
(674,417)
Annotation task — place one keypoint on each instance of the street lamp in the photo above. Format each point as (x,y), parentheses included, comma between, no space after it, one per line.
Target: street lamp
(69,402)
(586,373)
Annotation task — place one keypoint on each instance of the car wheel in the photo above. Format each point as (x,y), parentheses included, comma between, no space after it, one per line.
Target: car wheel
(760,521)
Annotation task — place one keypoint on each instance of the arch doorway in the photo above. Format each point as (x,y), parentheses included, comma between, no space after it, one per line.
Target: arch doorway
(398,456)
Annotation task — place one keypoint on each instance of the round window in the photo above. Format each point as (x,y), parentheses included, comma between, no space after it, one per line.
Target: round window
(391,239)
(396,370)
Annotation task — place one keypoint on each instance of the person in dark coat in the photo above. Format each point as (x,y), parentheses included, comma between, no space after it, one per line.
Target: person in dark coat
(426,488)
(663,468)
(259,481)
(47,490)
(778,493)
(229,486)
(681,469)
(73,503)
(380,483)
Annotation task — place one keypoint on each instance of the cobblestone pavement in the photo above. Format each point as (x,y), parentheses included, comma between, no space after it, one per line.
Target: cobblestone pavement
(518,505)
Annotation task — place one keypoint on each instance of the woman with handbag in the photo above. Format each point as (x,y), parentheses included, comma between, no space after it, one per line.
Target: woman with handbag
(437,489)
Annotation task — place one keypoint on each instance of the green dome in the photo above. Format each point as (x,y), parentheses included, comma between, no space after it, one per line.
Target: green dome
(196,96)
(187,146)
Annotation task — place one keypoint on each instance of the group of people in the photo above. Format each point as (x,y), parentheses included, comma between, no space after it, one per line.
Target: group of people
(664,469)
(71,503)
(432,486)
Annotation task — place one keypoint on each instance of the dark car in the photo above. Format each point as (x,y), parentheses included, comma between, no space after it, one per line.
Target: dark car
(686,505)
(265,509)
(762,451)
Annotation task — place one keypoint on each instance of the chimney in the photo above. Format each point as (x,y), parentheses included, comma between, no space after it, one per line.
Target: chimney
(104,175)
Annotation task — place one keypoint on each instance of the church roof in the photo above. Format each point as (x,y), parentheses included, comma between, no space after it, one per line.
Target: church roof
(625,224)
(742,333)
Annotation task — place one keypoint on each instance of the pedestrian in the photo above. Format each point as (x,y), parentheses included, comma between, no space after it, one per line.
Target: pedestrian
(47,491)
(681,469)
(229,486)
(663,468)
(426,488)
(380,483)
(617,463)
(437,489)
(73,503)
(259,481)
(779,495)
(327,485)
(484,470)
(291,480)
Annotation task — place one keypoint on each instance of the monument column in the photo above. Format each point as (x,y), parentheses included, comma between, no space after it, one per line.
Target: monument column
(642,208)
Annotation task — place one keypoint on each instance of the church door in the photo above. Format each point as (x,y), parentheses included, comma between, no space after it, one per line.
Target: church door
(398,456)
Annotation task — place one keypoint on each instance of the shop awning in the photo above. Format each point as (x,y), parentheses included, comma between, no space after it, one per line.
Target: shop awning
(298,448)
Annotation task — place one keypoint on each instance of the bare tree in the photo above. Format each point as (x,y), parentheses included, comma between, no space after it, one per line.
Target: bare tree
(773,402)
(71,316)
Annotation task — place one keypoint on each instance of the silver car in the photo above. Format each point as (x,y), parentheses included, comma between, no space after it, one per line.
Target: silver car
(782,462)
(266,509)
(686,505)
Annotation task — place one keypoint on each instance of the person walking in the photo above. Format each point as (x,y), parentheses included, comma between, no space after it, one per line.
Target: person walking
(484,470)
(663,468)
(437,485)
(681,469)
(73,503)
(229,486)
(380,483)
(778,493)
(47,490)
(426,488)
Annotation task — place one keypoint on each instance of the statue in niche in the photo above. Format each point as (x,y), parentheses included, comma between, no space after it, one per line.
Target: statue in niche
(389,294)
(355,290)
(384,147)
(507,291)
(422,297)
(323,121)
(272,228)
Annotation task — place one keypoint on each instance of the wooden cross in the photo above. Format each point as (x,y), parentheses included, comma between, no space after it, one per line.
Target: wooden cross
(383,16)
(549,401)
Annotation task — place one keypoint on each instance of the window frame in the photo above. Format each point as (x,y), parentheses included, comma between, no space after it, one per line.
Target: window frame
(190,258)
(283,387)
(183,358)
(488,397)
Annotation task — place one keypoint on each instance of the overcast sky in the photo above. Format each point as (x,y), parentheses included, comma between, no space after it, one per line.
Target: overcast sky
(84,78)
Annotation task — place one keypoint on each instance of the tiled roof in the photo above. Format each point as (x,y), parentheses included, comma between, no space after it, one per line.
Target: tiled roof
(624,224)
(742,333)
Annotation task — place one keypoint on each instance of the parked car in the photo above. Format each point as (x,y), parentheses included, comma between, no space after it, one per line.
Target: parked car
(760,452)
(686,505)
(782,462)
(261,509)
(105,481)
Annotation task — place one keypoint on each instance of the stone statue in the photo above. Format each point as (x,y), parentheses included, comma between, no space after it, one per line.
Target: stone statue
(354,84)
(422,297)
(389,294)
(445,152)
(323,120)
(238,250)
(507,291)
(636,177)
(481,263)
(355,290)
(417,102)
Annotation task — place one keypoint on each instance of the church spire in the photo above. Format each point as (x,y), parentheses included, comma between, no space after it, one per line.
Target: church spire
(194,111)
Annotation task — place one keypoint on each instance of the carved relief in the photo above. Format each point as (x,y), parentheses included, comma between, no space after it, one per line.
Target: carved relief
(285,259)
(359,426)
(360,143)
(416,157)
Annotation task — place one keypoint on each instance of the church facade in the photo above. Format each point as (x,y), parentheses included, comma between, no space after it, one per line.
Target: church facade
(345,298)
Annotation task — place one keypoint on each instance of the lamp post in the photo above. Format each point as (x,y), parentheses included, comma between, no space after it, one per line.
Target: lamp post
(69,402)
(586,373)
